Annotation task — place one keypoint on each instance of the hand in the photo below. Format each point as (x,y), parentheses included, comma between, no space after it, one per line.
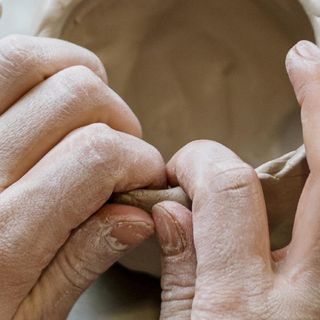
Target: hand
(66,143)
(225,269)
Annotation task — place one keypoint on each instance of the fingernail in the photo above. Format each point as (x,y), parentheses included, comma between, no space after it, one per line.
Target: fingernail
(130,233)
(307,50)
(169,232)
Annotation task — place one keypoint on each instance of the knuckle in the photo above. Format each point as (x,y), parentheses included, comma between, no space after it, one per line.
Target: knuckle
(70,268)
(77,91)
(238,178)
(100,144)
(101,131)
(20,52)
(13,40)
(81,82)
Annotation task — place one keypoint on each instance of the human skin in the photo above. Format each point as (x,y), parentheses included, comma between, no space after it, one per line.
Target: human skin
(216,261)
(67,142)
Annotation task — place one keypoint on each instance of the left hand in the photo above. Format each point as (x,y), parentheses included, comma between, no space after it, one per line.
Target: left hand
(67,142)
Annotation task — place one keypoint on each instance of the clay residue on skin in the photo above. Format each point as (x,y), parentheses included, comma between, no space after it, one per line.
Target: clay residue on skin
(113,242)
(146,198)
(206,69)
(120,235)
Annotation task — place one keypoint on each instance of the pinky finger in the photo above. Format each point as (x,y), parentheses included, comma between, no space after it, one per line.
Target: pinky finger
(91,249)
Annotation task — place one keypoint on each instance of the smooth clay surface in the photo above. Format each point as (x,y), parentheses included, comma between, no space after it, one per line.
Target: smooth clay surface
(201,69)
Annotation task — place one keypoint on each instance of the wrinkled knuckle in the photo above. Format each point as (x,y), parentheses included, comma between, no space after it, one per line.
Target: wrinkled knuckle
(21,53)
(81,82)
(99,135)
(73,272)
(13,40)
(237,179)
(178,293)
(99,143)
(76,89)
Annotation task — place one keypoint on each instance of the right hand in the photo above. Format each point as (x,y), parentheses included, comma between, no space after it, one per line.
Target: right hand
(217,262)
(67,141)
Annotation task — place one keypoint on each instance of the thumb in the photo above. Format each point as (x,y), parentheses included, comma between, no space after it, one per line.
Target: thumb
(303,64)
(303,253)
(90,250)
(173,223)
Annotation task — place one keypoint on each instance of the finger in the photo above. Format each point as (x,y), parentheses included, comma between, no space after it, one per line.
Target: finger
(91,250)
(173,225)
(229,223)
(26,61)
(70,99)
(303,65)
(61,191)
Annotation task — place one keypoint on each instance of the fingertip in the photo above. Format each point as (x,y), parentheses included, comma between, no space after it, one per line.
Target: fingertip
(173,226)
(177,210)
(135,129)
(124,120)
(139,131)
(160,180)
(302,64)
(130,225)
(302,52)
(171,168)
(100,70)
(97,65)
(132,233)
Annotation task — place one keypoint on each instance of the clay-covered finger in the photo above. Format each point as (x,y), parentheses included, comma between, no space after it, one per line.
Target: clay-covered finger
(173,223)
(25,61)
(61,191)
(229,221)
(91,249)
(72,98)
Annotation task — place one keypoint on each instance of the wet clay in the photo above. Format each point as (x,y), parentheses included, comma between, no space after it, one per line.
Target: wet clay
(201,69)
